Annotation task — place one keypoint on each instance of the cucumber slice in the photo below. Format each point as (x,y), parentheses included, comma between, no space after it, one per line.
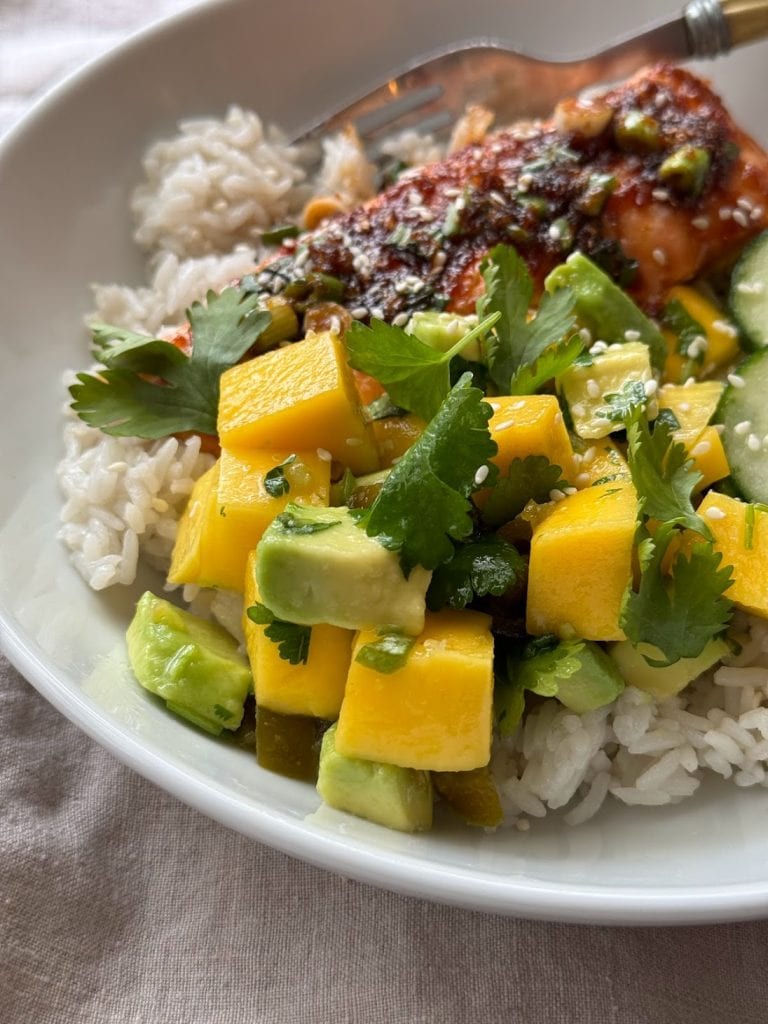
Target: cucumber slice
(743,410)
(748,297)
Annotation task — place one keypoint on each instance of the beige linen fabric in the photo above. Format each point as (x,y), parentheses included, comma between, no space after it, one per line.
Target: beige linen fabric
(119,905)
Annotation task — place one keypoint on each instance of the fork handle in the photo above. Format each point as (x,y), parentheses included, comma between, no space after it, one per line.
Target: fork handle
(747,20)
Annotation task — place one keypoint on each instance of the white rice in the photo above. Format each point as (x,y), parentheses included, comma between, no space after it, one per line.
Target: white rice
(207,196)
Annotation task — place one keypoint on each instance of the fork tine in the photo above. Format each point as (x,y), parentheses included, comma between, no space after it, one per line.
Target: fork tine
(384,117)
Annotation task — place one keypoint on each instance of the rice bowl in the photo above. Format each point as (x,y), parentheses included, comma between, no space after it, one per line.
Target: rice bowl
(627,719)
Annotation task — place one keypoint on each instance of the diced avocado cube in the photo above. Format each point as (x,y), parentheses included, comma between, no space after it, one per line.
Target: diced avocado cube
(442,331)
(586,387)
(194,665)
(578,673)
(665,682)
(399,798)
(317,565)
(603,308)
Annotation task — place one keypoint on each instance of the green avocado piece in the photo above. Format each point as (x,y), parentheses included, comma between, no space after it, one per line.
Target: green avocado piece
(317,565)
(585,386)
(194,665)
(603,308)
(442,331)
(577,672)
(664,682)
(399,798)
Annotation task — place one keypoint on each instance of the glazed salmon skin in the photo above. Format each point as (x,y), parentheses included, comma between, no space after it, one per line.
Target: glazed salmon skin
(652,180)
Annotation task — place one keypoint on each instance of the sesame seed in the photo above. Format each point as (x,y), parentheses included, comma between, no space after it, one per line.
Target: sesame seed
(401,320)
(690,382)
(725,328)
(757,213)
(571,490)
(583,479)
(301,258)
(481,475)
(702,448)
(497,198)
(451,193)
(460,203)
(750,287)
(660,195)
(378,312)
(725,213)
(685,407)
(588,456)
(753,443)
(700,223)
(359,312)
(524,182)
(518,405)
(631,335)
(736,381)
(743,428)
(586,335)
(324,454)
(660,257)
(593,388)
(353,442)
(650,387)
(745,203)
(413,197)
(697,347)
(503,426)
(598,348)
(439,259)
(576,458)
(556,494)
(741,218)
(578,409)
(555,232)
(714,513)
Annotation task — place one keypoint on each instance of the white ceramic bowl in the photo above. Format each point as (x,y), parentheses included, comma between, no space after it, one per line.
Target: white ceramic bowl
(65,176)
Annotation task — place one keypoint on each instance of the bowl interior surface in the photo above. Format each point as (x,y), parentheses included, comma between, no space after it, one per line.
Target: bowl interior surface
(65,179)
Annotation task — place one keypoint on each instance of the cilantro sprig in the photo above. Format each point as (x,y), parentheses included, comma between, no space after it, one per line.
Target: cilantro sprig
(516,345)
(416,376)
(477,569)
(388,653)
(292,639)
(149,388)
(528,479)
(423,505)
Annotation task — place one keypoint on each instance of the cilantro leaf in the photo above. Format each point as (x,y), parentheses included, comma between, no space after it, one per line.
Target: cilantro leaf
(387,654)
(416,376)
(663,474)
(424,501)
(299,519)
(292,639)
(678,614)
(478,568)
(515,343)
(688,332)
(528,479)
(551,363)
(630,400)
(276,483)
(124,399)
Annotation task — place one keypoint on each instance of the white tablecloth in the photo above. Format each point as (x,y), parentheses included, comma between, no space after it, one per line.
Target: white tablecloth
(119,904)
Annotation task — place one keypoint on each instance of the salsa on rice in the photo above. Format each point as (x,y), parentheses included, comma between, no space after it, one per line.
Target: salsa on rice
(484,449)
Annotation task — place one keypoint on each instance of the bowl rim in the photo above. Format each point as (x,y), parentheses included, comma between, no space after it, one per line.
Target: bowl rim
(354,858)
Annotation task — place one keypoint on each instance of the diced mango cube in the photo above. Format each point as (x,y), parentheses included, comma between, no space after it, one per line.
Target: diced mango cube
(230,508)
(706,449)
(528,425)
(581,563)
(394,436)
(741,535)
(315,687)
(720,333)
(433,713)
(601,460)
(300,397)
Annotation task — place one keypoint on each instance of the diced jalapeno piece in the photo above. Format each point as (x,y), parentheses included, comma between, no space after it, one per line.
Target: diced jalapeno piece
(473,795)
(288,744)
(686,169)
(637,132)
(284,325)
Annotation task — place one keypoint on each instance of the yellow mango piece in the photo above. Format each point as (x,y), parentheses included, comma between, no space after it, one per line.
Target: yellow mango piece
(394,435)
(596,461)
(433,713)
(693,404)
(706,449)
(528,425)
(729,521)
(299,397)
(230,509)
(581,563)
(721,335)
(313,688)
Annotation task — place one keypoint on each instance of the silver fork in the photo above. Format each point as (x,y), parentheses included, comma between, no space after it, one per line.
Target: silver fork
(429,94)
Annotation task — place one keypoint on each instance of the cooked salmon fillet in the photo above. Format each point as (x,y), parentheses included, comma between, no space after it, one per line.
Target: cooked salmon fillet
(591,178)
